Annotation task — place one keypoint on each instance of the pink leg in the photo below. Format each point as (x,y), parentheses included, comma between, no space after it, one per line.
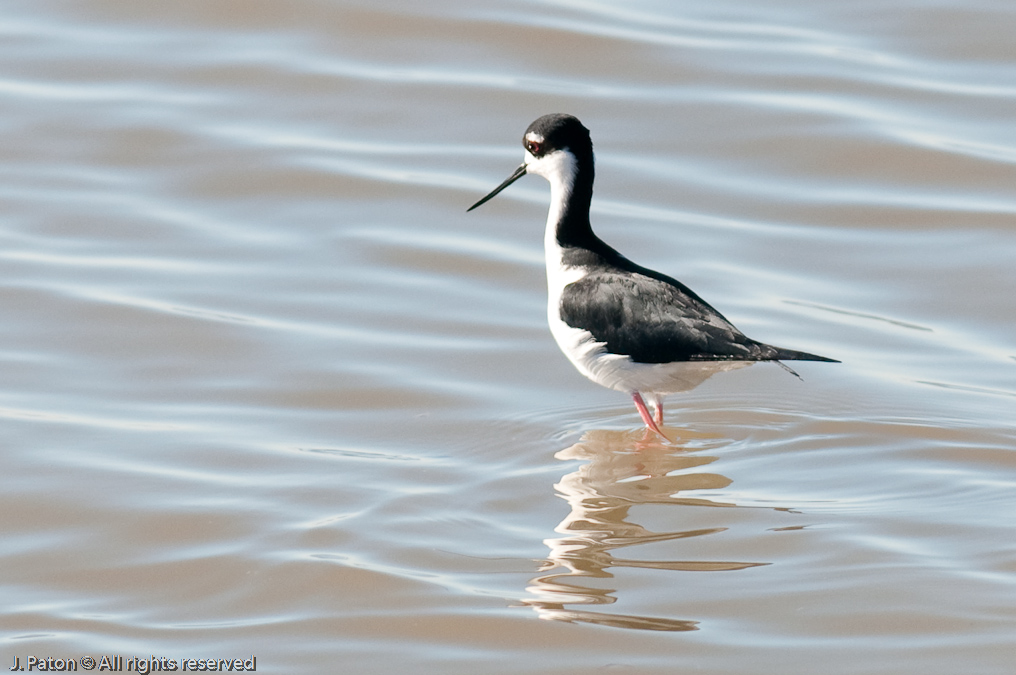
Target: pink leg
(658,410)
(644,413)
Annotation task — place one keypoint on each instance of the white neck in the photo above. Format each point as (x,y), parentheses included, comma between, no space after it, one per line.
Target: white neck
(560,169)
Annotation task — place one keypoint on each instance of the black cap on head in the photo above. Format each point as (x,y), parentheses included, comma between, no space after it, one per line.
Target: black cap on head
(558,131)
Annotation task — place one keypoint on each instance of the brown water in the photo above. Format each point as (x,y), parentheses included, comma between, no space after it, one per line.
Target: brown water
(269,391)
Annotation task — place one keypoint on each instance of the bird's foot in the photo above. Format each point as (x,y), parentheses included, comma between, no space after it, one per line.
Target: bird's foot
(646,417)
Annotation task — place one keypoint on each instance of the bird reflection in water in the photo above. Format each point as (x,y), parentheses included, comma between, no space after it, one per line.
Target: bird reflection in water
(621,472)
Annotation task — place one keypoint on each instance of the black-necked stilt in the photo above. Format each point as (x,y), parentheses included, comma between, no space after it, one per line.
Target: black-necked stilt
(623,326)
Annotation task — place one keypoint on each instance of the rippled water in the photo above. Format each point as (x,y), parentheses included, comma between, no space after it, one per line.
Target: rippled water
(269,391)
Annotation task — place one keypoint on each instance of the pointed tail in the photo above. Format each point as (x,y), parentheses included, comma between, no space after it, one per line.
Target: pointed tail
(792,355)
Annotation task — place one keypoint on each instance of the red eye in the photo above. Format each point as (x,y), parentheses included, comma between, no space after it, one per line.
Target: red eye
(533,147)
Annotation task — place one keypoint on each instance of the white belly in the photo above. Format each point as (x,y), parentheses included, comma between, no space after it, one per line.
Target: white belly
(621,373)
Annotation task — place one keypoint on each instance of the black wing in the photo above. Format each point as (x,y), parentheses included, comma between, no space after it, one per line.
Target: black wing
(654,321)
(653,318)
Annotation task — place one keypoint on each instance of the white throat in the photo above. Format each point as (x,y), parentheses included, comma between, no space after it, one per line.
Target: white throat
(560,169)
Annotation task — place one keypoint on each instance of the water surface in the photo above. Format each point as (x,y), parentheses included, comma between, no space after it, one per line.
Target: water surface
(268,389)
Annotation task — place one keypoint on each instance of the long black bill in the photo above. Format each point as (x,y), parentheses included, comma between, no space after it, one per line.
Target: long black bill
(519,173)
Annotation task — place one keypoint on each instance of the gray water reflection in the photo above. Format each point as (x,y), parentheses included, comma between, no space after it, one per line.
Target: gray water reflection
(621,472)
